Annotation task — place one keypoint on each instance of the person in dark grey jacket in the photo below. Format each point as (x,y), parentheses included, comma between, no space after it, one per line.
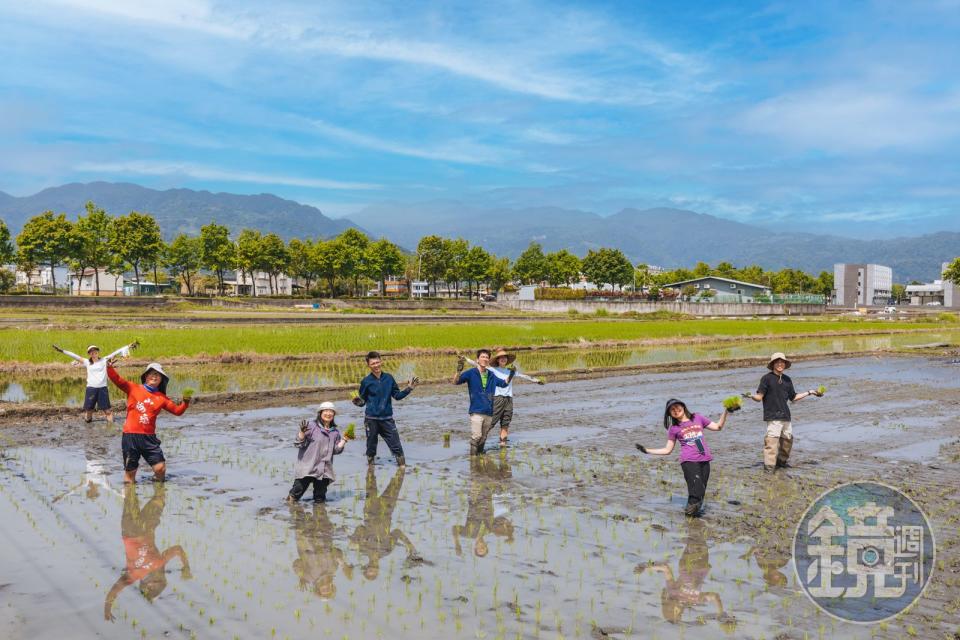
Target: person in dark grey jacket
(318,441)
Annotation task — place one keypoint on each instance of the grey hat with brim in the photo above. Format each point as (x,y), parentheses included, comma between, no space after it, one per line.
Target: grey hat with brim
(164,378)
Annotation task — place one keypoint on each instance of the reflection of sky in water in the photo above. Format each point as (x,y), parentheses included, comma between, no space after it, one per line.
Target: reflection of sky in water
(267,376)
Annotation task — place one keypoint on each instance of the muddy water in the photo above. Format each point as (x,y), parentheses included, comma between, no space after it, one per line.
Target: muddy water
(568,533)
(66,387)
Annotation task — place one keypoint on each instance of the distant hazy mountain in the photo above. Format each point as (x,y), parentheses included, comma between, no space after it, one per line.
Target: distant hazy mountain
(664,237)
(176,210)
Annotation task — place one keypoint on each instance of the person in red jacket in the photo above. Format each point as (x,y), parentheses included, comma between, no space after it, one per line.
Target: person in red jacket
(144,403)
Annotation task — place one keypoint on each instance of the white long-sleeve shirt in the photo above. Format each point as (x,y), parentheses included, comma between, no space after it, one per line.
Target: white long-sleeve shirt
(97,371)
(503,373)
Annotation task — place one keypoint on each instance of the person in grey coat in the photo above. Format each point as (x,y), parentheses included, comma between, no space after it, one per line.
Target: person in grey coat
(318,441)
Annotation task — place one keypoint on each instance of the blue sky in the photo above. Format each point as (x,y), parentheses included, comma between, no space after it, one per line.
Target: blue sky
(834,116)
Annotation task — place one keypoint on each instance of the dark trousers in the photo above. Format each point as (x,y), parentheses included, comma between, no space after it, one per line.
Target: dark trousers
(319,488)
(696,474)
(385,428)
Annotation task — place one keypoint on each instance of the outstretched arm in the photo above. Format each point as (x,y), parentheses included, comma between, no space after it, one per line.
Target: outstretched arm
(718,426)
(70,354)
(122,582)
(115,378)
(666,449)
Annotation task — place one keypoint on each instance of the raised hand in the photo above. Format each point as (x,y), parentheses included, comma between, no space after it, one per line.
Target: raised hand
(460,362)
(642,448)
(303,426)
(413,382)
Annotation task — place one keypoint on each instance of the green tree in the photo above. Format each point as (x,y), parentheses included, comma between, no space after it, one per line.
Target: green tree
(898,292)
(6,247)
(562,268)
(182,259)
(688,291)
(641,276)
(433,258)
(354,245)
(531,265)
(824,284)
(217,253)
(7,279)
(701,269)
(725,270)
(499,273)
(607,266)
(45,240)
(275,259)
(476,268)
(135,239)
(952,272)
(384,258)
(92,232)
(754,274)
(248,256)
(329,257)
(456,251)
(303,261)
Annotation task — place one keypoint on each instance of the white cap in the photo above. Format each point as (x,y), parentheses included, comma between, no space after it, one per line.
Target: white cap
(327,405)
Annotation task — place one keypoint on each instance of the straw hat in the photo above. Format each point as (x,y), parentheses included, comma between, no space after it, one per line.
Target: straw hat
(775,357)
(327,405)
(92,347)
(501,352)
(155,366)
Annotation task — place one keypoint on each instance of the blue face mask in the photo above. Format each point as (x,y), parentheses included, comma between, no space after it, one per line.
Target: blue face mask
(150,389)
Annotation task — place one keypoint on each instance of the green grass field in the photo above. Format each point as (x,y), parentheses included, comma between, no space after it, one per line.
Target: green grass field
(33,345)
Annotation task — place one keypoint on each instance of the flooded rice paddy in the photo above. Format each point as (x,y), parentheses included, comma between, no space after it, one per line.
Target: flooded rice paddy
(568,533)
(65,386)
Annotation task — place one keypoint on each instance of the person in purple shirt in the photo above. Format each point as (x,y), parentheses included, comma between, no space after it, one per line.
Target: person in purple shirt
(694,453)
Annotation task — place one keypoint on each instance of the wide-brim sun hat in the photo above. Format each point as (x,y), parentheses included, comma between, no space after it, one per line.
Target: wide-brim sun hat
(327,405)
(92,347)
(155,366)
(500,353)
(778,356)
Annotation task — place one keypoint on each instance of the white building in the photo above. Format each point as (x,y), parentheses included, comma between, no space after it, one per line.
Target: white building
(40,278)
(111,284)
(258,284)
(861,284)
(940,291)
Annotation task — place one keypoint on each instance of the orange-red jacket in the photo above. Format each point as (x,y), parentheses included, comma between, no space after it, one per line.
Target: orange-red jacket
(143,405)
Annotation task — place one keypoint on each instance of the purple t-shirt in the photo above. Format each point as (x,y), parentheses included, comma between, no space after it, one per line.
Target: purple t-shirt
(693,448)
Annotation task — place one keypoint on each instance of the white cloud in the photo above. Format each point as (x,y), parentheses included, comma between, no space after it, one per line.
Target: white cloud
(462,151)
(200,172)
(850,118)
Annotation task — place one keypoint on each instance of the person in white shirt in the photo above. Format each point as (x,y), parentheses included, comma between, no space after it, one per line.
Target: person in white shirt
(503,396)
(96,396)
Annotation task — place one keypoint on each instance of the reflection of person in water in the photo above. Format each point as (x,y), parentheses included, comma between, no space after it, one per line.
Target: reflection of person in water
(770,559)
(145,563)
(374,537)
(318,560)
(485,477)
(685,589)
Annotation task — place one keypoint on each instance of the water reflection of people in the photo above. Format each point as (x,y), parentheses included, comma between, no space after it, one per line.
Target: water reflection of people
(685,589)
(375,538)
(145,563)
(486,476)
(770,559)
(318,559)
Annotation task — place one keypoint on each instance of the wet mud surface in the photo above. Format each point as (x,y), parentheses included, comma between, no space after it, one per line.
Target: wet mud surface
(568,532)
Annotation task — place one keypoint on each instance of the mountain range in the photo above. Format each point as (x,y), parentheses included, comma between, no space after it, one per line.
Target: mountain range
(176,210)
(664,237)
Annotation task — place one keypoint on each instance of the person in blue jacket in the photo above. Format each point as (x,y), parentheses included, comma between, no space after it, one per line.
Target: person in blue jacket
(377,391)
(481,383)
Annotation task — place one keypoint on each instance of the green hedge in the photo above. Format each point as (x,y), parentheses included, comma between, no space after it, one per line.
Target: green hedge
(560,293)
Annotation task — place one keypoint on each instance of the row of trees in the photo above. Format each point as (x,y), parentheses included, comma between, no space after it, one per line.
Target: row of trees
(134,242)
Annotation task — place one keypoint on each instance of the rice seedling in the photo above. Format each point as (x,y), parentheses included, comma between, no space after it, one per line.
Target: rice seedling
(732,403)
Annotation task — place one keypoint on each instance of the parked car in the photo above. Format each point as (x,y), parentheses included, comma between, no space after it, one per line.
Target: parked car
(935,303)
(890,310)
(490,297)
